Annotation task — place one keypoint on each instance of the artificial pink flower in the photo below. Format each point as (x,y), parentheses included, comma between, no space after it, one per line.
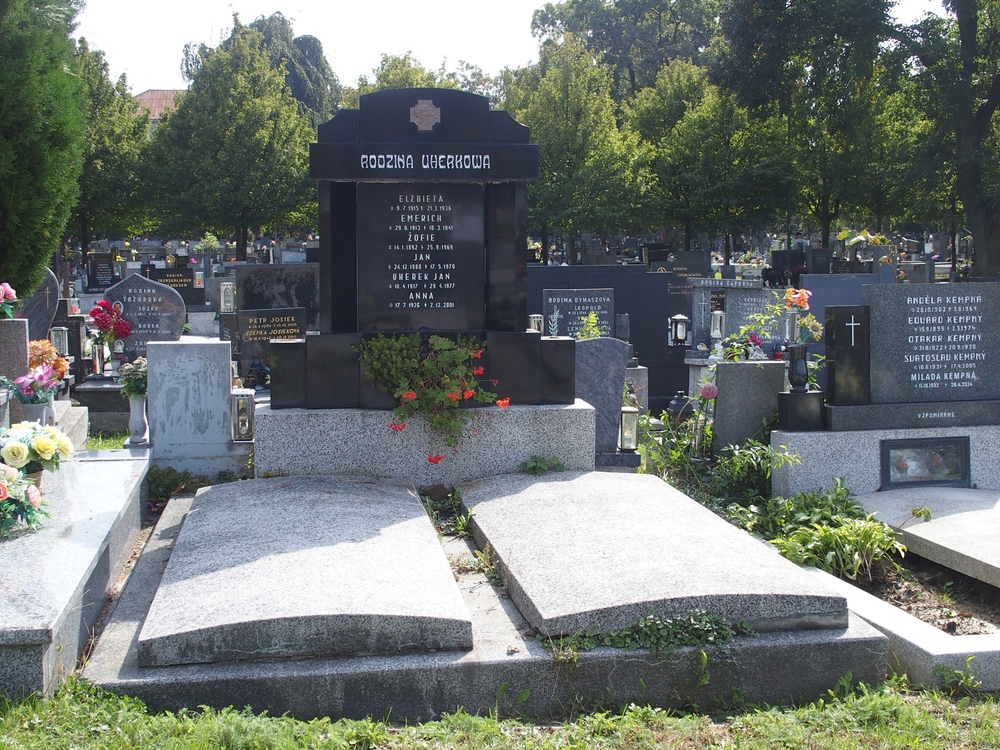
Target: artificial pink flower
(7,292)
(34,497)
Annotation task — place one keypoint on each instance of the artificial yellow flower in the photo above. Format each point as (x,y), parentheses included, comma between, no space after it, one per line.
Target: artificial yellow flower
(65,445)
(44,446)
(15,454)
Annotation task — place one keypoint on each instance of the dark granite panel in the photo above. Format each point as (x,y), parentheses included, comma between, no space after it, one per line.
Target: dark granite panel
(392,162)
(514,361)
(912,416)
(420,253)
(333,371)
(800,412)
(506,231)
(288,374)
(182,280)
(558,358)
(565,310)
(271,287)
(424,115)
(40,308)
(847,354)
(505,129)
(101,274)
(600,381)
(343,127)
(77,327)
(155,311)
(339,258)
(934,342)
(257,329)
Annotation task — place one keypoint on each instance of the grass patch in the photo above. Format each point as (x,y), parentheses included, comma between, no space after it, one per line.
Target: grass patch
(887,716)
(107,441)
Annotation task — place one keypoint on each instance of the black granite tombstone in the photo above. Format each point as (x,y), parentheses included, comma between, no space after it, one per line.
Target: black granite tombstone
(565,310)
(182,280)
(40,308)
(155,311)
(256,328)
(76,325)
(847,355)
(100,273)
(817,260)
(280,286)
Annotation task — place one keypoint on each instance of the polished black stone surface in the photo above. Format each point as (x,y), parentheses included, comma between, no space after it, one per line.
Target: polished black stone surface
(76,326)
(334,371)
(288,369)
(558,355)
(800,412)
(847,354)
(280,286)
(180,279)
(514,361)
(100,273)
(912,416)
(255,329)
(155,311)
(566,309)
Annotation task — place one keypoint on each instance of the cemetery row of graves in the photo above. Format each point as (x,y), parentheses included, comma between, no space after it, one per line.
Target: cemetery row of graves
(420,351)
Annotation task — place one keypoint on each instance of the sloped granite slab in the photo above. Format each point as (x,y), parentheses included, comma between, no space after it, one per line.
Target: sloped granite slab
(307,566)
(603,551)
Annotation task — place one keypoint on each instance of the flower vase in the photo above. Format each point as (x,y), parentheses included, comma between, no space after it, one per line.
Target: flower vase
(137,424)
(798,371)
(97,354)
(35,478)
(41,412)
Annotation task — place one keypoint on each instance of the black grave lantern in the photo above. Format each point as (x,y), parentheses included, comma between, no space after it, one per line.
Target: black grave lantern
(680,324)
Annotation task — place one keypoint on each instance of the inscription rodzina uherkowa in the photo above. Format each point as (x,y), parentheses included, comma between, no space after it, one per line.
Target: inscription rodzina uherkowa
(931,342)
(424,259)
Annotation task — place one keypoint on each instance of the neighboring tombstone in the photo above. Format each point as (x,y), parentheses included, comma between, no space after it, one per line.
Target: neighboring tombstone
(748,397)
(40,308)
(183,280)
(155,311)
(270,287)
(100,273)
(600,381)
(565,310)
(256,328)
(13,357)
(817,260)
(76,325)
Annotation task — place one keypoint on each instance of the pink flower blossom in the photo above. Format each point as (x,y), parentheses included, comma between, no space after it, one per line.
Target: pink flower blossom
(7,292)
(709,391)
(34,497)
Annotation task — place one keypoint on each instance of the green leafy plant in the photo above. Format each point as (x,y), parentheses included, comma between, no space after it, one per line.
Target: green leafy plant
(433,377)
(589,328)
(781,517)
(167,482)
(132,376)
(207,244)
(743,472)
(538,465)
(958,681)
(845,550)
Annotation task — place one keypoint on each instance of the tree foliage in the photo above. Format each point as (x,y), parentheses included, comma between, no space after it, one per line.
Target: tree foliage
(117,136)
(400,72)
(234,154)
(41,135)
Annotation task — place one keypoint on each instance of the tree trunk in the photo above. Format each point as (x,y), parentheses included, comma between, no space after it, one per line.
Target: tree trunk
(725,249)
(84,234)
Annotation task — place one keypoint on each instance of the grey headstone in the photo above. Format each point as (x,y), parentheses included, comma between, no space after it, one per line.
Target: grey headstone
(748,396)
(270,286)
(564,310)
(600,381)
(40,308)
(155,311)
(934,342)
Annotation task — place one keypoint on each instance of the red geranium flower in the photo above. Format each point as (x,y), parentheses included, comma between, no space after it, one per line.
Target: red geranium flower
(503,403)
(397,426)
(454,396)
(478,370)
(408,396)
(478,353)
(468,394)
(435,459)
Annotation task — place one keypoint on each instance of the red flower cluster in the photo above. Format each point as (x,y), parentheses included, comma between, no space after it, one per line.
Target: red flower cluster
(503,403)
(478,353)
(435,459)
(468,394)
(109,322)
(397,426)
(477,371)
(454,396)
(408,396)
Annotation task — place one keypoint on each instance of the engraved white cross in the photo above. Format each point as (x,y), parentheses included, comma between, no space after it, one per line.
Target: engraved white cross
(852,325)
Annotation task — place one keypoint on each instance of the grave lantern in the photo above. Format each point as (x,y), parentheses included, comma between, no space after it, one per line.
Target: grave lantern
(59,336)
(536,323)
(242,406)
(227,297)
(630,428)
(718,324)
(679,326)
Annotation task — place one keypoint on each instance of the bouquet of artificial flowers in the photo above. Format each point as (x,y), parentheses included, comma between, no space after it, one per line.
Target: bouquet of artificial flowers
(36,387)
(32,447)
(20,501)
(110,324)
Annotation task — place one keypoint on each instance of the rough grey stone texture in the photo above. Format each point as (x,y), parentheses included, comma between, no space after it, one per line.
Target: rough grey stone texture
(40,308)
(934,342)
(291,588)
(916,647)
(856,456)
(188,407)
(56,579)
(14,356)
(359,442)
(963,531)
(595,550)
(748,396)
(600,380)
(770,668)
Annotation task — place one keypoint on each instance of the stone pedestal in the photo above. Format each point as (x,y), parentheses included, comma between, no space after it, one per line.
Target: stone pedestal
(800,412)
(748,397)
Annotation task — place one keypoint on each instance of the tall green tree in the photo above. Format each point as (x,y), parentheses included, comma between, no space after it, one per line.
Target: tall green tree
(41,135)
(959,70)
(117,136)
(634,38)
(399,72)
(234,154)
(587,171)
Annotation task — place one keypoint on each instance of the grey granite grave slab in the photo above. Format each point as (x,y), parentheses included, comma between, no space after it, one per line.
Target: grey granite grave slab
(856,456)
(621,555)
(40,308)
(155,311)
(934,342)
(300,579)
(55,580)
(962,533)
(767,668)
(748,397)
(600,381)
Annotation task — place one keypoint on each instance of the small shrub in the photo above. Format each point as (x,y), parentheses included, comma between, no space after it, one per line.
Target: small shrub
(780,517)
(164,483)
(538,465)
(743,473)
(844,550)
(589,328)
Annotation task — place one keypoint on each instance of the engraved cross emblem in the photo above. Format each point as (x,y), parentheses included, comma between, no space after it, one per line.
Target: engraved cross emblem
(852,325)
(425,115)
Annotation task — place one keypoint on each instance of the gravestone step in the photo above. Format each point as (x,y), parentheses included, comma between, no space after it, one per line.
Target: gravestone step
(962,533)
(73,421)
(301,567)
(602,551)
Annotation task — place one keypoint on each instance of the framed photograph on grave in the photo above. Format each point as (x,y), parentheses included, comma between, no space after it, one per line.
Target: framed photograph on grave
(926,461)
